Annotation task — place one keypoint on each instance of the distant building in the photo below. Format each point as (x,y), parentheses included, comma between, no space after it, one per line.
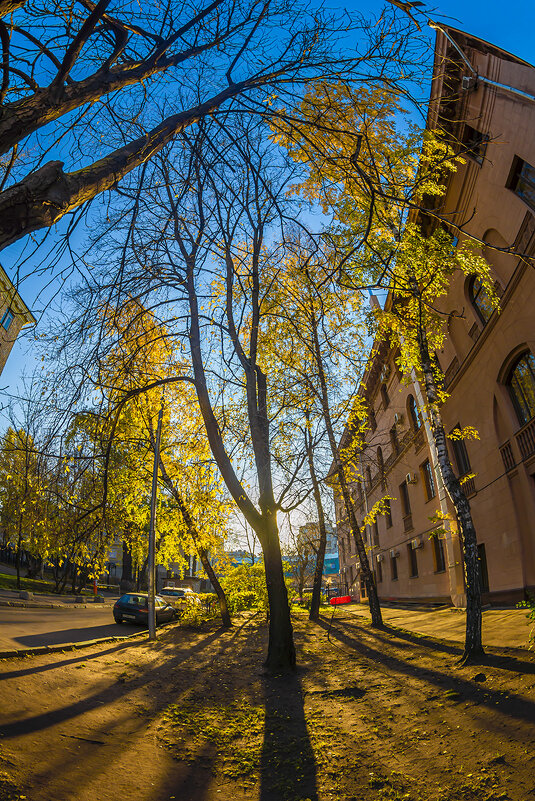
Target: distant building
(485,98)
(331,564)
(14,315)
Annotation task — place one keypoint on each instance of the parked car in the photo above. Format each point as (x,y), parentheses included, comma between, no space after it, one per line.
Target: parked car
(180,597)
(133,607)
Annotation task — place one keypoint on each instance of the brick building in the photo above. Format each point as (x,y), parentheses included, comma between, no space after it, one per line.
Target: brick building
(486,98)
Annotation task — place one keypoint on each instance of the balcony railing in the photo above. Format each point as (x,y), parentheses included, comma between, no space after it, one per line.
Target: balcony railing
(506,451)
(526,439)
(468,487)
(418,439)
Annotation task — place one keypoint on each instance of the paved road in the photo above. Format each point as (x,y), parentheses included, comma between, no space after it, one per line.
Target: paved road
(28,628)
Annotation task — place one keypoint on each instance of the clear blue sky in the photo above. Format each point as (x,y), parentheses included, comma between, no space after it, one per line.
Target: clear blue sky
(508,25)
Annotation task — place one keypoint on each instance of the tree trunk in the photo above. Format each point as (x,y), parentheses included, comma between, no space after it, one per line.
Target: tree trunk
(127,581)
(281,650)
(221,597)
(369,580)
(473,646)
(203,553)
(17,562)
(320,554)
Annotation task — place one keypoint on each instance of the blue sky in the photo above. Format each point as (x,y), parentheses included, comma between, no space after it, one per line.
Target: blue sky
(508,25)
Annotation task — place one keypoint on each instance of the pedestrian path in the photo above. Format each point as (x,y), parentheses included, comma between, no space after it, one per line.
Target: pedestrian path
(504,628)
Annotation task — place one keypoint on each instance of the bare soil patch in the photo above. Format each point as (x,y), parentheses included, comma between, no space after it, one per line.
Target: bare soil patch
(368,715)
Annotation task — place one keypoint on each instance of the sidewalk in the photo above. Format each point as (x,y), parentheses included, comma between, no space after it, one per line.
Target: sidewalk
(503,628)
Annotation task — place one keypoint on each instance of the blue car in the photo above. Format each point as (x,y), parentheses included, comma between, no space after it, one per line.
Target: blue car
(133,607)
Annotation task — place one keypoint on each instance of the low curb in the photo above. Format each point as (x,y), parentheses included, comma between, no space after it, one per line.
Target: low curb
(70,646)
(74,646)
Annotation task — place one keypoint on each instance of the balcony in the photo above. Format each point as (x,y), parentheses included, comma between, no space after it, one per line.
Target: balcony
(418,439)
(468,487)
(507,456)
(526,439)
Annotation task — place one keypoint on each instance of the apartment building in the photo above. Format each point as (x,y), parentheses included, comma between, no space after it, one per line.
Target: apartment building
(485,98)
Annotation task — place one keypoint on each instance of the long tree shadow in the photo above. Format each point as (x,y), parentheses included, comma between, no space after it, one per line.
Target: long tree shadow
(513,706)
(288,766)
(51,718)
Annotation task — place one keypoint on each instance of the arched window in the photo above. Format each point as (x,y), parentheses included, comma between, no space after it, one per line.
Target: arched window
(414,417)
(521,383)
(368,473)
(384,396)
(480,299)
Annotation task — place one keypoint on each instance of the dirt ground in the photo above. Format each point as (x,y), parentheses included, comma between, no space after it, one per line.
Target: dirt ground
(368,715)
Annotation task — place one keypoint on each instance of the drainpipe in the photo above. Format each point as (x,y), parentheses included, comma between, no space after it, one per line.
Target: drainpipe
(470,82)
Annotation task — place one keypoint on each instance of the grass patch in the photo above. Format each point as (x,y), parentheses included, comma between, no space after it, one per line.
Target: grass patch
(9,582)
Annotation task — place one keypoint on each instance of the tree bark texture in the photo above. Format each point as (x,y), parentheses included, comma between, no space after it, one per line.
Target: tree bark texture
(369,580)
(46,195)
(281,650)
(473,647)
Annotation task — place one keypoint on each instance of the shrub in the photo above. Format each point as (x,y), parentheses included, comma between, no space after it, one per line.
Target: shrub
(530,605)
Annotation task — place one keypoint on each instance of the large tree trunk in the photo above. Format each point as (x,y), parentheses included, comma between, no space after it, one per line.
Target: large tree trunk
(320,554)
(281,649)
(473,646)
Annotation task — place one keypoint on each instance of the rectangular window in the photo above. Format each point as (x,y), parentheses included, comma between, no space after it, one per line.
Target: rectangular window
(460,454)
(388,514)
(7,319)
(375,532)
(438,552)
(475,143)
(405,500)
(521,181)
(413,561)
(483,572)
(428,480)
(379,572)
(393,568)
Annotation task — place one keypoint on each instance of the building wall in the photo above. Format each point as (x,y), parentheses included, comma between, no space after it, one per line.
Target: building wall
(475,360)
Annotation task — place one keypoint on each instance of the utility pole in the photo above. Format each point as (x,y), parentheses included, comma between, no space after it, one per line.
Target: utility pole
(152,527)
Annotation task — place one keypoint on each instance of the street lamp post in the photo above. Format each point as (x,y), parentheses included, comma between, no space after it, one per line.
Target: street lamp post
(152,527)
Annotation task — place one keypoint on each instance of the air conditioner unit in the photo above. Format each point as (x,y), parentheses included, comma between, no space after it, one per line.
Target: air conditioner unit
(417,543)
(469,82)
(380,557)
(394,554)
(411,478)
(398,418)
